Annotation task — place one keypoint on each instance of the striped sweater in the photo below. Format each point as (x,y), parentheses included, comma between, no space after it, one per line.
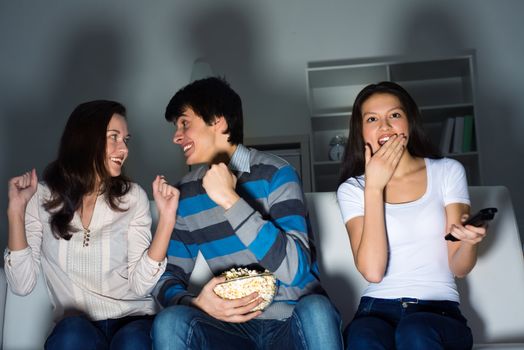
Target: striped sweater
(268,228)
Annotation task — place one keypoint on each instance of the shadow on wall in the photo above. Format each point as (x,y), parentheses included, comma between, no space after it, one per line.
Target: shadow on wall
(433,30)
(233,41)
(88,67)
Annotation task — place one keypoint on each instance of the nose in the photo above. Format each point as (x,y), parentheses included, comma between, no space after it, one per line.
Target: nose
(177,137)
(385,124)
(122,146)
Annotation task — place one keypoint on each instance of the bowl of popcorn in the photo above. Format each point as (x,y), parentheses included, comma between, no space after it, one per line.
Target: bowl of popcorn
(242,281)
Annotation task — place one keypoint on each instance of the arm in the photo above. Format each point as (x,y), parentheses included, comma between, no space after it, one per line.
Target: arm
(146,257)
(166,199)
(462,255)
(279,242)
(171,289)
(22,256)
(367,233)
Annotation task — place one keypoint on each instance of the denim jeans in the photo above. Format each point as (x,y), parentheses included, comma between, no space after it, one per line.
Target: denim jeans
(407,323)
(314,324)
(79,333)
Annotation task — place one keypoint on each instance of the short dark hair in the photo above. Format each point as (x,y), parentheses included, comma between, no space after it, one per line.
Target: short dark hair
(81,158)
(419,145)
(210,98)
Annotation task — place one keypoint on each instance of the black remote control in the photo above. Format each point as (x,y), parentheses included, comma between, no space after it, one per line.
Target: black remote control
(476,220)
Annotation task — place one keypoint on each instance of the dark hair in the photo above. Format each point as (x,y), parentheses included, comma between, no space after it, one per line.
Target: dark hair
(419,145)
(81,158)
(210,98)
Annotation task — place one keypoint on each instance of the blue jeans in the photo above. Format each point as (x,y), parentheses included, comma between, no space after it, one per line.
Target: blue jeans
(314,324)
(408,323)
(77,332)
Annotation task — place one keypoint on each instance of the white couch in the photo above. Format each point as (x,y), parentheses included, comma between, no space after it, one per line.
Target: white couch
(492,295)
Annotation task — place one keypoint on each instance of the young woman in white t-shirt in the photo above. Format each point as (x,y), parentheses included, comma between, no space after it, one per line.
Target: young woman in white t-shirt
(87,228)
(399,199)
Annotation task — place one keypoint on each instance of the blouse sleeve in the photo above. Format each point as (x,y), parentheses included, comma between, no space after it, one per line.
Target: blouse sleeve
(455,189)
(144,272)
(350,196)
(22,266)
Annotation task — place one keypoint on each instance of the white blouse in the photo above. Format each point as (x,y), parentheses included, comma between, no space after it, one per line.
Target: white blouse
(111,277)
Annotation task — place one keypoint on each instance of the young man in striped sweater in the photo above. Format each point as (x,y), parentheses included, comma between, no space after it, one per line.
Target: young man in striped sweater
(241,208)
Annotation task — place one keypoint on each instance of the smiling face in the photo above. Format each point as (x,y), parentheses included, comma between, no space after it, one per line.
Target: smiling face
(117,138)
(382,117)
(198,141)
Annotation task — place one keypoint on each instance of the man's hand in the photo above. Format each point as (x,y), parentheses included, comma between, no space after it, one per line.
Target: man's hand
(219,184)
(236,311)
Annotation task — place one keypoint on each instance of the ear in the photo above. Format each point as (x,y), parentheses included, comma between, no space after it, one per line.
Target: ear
(220,124)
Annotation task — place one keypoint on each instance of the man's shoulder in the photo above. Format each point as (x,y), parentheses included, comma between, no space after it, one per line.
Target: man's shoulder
(197,173)
(266,158)
(190,184)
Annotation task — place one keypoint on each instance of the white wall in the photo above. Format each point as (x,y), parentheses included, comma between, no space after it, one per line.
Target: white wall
(57,54)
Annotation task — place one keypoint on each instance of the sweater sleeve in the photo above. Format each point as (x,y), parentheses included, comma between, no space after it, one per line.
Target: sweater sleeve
(144,272)
(22,266)
(280,240)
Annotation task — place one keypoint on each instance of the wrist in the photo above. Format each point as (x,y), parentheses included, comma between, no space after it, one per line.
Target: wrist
(229,201)
(373,191)
(166,219)
(14,213)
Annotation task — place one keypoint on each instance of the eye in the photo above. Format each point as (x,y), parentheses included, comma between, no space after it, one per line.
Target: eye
(371,119)
(185,124)
(127,139)
(396,115)
(113,137)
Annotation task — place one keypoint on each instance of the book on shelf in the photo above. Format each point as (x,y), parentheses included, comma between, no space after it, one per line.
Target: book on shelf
(447,133)
(468,134)
(458,135)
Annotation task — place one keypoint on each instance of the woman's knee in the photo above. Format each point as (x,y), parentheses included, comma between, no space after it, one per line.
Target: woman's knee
(369,333)
(431,331)
(75,332)
(134,335)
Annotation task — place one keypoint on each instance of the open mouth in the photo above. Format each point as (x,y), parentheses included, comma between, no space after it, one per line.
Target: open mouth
(384,139)
(187,147)
(118,161)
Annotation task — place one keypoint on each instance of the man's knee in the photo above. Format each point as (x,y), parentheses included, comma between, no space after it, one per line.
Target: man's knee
(174,316)
(317,307)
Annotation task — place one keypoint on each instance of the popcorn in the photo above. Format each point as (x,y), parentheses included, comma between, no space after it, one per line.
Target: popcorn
(241,282)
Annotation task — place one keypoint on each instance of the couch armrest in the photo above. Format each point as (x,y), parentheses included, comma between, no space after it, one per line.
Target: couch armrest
(3,291)
(27,319)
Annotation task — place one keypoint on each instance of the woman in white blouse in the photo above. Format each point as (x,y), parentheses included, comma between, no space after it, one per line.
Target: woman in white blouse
(87,228)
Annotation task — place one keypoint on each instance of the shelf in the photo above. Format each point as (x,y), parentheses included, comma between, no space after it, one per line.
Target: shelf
(445,91)
(321,140)
(333,89)
(329,123)
(326,175)
(438,114)
(462,155)
(442,87)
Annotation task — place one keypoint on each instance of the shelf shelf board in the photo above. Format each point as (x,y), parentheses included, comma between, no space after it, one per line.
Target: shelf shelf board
(445,106)
(462,154)
(327,162)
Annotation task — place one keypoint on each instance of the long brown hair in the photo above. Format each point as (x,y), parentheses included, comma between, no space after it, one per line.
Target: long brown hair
(81,159)
(354,161)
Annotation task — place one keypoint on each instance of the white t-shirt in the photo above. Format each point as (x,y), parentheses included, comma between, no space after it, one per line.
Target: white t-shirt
(418,256)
